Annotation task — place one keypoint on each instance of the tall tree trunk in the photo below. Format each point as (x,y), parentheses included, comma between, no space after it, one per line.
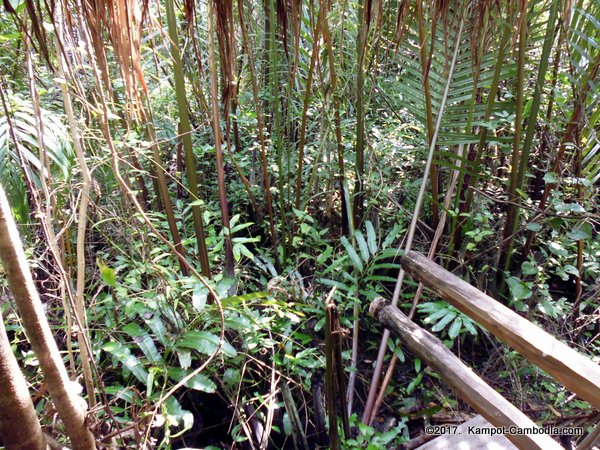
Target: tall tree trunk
(70,406)
(19,427)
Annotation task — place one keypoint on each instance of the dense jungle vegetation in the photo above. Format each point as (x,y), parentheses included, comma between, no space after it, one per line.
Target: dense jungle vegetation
(194,182)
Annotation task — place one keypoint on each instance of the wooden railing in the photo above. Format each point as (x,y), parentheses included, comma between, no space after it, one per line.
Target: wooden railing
(576,371)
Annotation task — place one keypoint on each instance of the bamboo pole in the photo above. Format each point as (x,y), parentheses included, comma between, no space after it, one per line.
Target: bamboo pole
(576,371)
(468,386)
(186,138)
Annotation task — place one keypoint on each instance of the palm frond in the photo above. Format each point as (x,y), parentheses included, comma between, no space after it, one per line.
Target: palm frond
(471,76)
(56,142)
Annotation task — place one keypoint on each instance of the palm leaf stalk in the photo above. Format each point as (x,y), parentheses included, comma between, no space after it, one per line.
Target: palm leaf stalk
(428,109)
(516,150)
(570,136)
(338,126)
(464,182)
(411,232)
(277,138)
(162,189)
(186,137)
(359,148)
(306,103)
(512,215)
(228,246)
(261,135)
(545,134)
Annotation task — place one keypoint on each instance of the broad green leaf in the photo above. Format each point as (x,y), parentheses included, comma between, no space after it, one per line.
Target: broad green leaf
(550,177)
(444,321)
(107,274)
(239,299)
(414,383)
(124,356)
(528,268)
(383,278)
(392,235)
(199,297)
(571,270)
(584,233)
(352,253)
(362,245)
(174,413)
(468,324)
(145,342)
(394,266)
(157,326)
(455,328)
(199,382)
(205,342)
(518,289)
(332,283)
(371,237)
(185,358)
(322,257)
(557,249)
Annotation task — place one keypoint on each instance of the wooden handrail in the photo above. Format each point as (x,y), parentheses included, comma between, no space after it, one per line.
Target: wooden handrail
(577,372)
(471,388)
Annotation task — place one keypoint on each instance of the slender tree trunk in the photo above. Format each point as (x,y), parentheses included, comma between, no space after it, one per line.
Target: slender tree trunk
(512,215)
(229,261)
(70,406)
(19,427)
(361,46)
(86,186)
(425,61)
(186,138)
(338,128)
(261,136)
(506,248)
(313,58)
(465,180)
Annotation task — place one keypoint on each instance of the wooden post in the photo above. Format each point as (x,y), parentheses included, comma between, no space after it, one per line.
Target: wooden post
(472,389)
(577,372)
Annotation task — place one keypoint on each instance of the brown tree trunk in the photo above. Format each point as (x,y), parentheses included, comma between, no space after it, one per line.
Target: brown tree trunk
(19,427)
(70,407)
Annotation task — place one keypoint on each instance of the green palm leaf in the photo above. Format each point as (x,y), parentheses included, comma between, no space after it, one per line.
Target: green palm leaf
(56,145)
